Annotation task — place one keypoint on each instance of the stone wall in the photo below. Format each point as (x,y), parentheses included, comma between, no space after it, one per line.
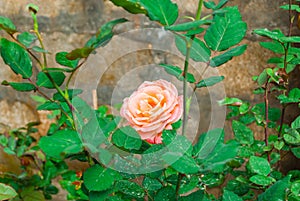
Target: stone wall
(66,25)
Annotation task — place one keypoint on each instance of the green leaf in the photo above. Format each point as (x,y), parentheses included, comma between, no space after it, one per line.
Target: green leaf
(273,75)
(97,178)
(63,141)
(39,49)
(238,187)
(291,39)
(220,157)
(127,137)
(242,133)
(71,93)
(7,192)
(168,136)
(277,191)
(295,188)
(275,35)
(221,4)
(226,31)
(292,137)
(244,108)
(3,140)
(16,57)
(209,4)
(275,60)
(296,123)
(293,97)
(91,129)
(231,101)
(7,25)
(223,58)
(100,195)
(132,6)
(259,165)
(290,67)
(29,194)
(44,81)
(178,144)
(292,7)
(198,52)
(130,188)
(262,78)
(26,38)
(274,46)
(165,194)
(195,31)
(48,105)
(187,26)
(189,184)
(296,151)
(230,196)
(163,11)
(262,180)
(177,72)
(102,37)
(20,86)
(151,184)
(181,163)
(207,142)
(61,59)
(79,53)
(209,81)
(278,145)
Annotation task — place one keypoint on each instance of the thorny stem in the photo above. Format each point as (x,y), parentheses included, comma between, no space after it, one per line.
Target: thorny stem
(180,176)
(285,65)
(185,71)
(281,120)
(44,67)
(37,33)
(185,95)
(72,74)
(290,18)
(38,90)
(267,116)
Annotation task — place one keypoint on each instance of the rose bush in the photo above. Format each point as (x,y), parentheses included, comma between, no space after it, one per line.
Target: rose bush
(153,107)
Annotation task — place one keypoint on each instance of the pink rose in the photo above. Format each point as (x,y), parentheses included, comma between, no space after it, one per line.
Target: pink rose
(153,107)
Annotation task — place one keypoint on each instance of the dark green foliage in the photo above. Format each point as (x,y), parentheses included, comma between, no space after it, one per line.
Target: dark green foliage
(122,166)
(16,58)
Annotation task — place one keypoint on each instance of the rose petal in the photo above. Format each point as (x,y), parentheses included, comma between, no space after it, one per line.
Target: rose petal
(153,107)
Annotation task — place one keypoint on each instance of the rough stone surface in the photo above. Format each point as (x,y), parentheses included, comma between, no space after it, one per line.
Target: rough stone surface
(67,24)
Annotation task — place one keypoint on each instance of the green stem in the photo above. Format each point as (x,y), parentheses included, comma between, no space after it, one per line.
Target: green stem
(44,66)
(189,44)
(37,33)
(72,74)
(38,90)
(267,117)
(185,95)
(185,71)
(199,10)
(286,48)
(180,176)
